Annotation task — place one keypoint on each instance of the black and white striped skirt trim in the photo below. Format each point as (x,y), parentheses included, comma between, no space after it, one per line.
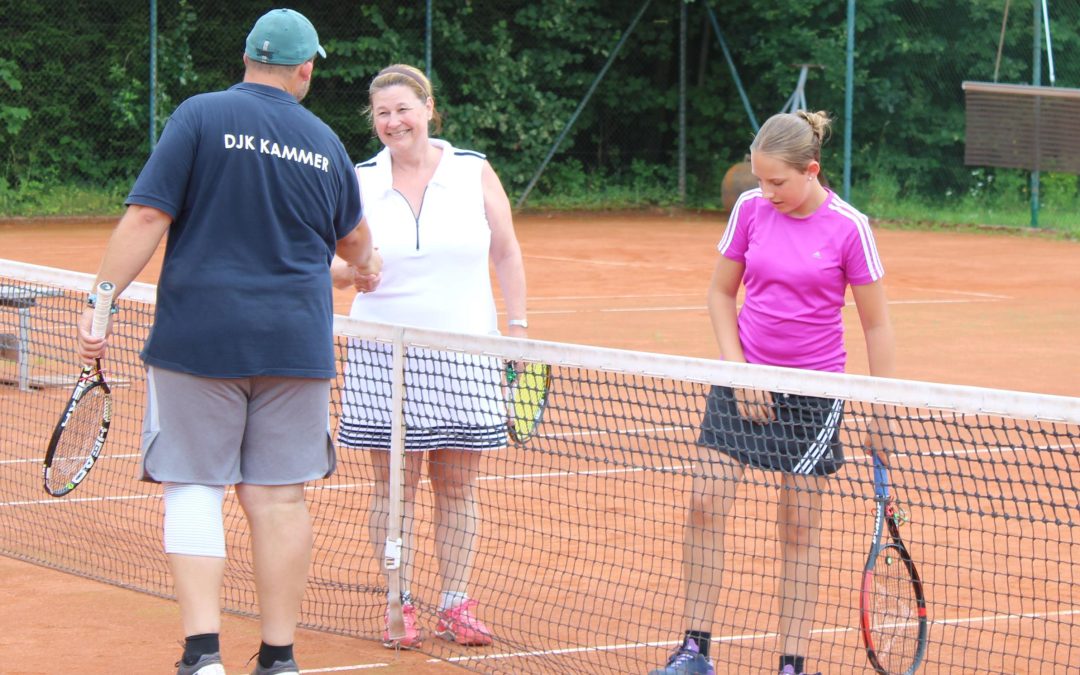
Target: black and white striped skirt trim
(451,437)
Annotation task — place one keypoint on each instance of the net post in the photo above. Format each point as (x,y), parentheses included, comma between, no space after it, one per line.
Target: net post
(22,353)
(392,552)
(1036,80)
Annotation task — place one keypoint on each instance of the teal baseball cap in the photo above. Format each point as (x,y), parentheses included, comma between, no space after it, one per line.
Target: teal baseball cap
(283,37)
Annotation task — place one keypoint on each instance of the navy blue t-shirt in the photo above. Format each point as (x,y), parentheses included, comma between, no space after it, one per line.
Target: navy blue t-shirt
(260,190)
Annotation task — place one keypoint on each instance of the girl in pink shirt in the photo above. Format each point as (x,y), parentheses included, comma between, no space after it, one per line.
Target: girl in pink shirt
(796,247)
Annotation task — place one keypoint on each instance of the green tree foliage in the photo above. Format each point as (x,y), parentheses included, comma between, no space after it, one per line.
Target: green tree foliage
(508,75)
(11,117)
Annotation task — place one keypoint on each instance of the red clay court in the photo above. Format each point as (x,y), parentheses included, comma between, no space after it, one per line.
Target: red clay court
(978,308)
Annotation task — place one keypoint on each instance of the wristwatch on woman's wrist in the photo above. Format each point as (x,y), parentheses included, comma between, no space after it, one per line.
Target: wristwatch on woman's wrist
(518,322)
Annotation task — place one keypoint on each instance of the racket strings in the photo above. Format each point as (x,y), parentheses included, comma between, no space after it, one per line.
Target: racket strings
(529,388)
(895,626)
(80,434)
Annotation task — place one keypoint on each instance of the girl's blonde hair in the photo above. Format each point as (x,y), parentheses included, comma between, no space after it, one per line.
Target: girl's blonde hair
(793,138)
(404,75)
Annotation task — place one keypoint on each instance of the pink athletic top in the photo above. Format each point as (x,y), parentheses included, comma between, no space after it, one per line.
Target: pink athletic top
(797,270)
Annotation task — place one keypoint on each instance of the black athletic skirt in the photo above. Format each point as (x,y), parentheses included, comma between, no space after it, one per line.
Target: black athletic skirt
(803,438)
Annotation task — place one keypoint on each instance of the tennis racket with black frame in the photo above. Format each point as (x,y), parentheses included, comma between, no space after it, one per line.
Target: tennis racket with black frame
(529,388)
(80,434)
(892,604)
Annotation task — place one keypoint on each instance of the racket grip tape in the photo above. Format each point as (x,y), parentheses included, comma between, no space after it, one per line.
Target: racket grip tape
(102,307)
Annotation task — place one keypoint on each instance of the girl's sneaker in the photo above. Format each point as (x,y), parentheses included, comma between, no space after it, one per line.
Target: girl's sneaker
(458,624)
(687,660)
(413,637)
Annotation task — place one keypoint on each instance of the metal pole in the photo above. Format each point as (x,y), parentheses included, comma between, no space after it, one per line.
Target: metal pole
(1049,44)
(22,347)
(581,105)
(392,550)
(682,102)
(797,100)
(849,98)
(1001,40)
(731,66)
(1036,79)
(153,74)
(427,41)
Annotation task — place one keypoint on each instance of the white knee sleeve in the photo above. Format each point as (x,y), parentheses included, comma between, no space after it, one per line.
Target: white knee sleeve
(193,523)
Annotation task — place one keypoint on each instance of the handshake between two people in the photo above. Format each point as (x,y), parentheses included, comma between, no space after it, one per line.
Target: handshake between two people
(364,279)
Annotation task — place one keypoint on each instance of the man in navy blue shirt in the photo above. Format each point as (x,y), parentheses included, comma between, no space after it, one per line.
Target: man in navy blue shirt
(256,194)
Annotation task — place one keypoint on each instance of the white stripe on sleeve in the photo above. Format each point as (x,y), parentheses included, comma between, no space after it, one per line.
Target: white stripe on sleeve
(866,236)
(733,219)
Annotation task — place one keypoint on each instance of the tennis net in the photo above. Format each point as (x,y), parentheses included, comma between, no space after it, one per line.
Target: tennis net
(577,543)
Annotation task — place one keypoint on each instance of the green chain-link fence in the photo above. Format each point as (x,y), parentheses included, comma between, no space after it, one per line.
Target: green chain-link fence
(633,101)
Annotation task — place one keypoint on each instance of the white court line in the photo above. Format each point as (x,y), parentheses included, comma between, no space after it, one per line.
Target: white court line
(749,636)
(590,261)
(930,302)
(533,312)
(956,292)
(989,618)
(347,669)
(673,467)
(695,308)
(20,461)
(992,296)
(663,469)
(610,263)
(626,646)
(621,296)
(70,500)
(39,460)
(686,308)
(616,432)
(551,474)
(640,263)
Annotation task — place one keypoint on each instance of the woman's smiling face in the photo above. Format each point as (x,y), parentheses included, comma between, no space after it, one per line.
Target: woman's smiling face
(401,117)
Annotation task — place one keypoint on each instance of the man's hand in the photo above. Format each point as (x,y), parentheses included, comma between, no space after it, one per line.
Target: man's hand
(365,283)
(373,266)
(89,347)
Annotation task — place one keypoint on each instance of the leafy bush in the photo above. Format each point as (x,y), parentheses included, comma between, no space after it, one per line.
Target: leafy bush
(511,77)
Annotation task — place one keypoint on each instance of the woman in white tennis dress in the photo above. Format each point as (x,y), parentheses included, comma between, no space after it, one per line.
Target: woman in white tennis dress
(438,215)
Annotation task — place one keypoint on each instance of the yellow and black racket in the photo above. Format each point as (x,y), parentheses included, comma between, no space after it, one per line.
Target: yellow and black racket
(80,434)
(529,389)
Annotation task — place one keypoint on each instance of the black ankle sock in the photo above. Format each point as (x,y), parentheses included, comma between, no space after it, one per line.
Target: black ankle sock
(797,662)
(197,645)
(702,639)
(268,654)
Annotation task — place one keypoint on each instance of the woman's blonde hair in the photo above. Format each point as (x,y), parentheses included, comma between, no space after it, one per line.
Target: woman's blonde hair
(793,138)
(401,74)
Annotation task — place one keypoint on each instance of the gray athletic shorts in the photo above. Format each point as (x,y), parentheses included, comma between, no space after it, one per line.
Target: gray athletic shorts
(217,431)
